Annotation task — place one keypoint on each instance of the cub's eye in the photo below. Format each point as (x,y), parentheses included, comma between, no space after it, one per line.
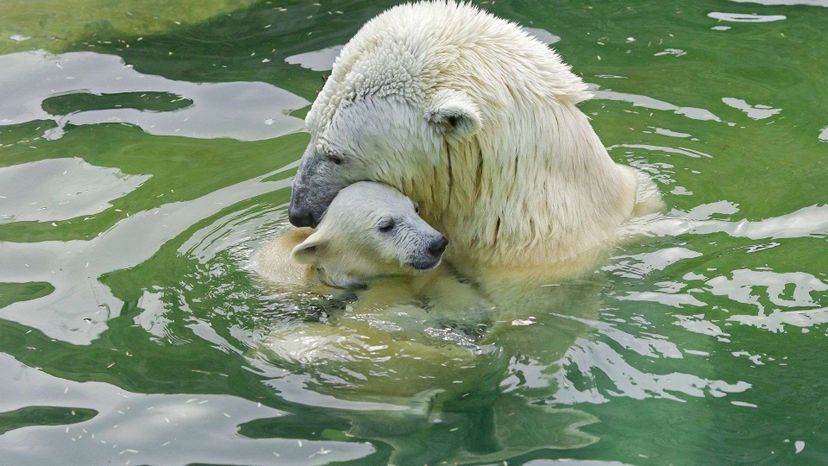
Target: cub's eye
(385,225)
(416,208)
(334,157)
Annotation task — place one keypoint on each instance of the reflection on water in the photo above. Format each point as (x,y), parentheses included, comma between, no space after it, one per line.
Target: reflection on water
(655,104)
(147,428)
(755,112)
(318,60)
(133,329)
(811,221)
(241,110)
(59,189)
(323,59)
(80,306)
(543,35)
(745,18)
(589,357)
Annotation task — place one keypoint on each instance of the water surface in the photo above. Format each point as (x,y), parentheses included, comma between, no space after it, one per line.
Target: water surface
(146,152)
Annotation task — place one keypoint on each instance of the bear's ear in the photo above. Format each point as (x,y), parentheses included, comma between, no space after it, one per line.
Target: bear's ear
(308,251)
(454,114)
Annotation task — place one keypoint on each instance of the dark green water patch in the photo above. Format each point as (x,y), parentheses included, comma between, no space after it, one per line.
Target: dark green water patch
(145,101)
(23,134)
(43,416)
(15,292)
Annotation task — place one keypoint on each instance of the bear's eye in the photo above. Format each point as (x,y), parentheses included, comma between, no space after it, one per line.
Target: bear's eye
(385,225)
(416,209)
(334,157)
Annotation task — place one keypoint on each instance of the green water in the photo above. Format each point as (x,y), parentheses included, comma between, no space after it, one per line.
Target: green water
(146,150)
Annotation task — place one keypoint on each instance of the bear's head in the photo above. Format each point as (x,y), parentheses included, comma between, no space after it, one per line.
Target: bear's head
(387,138)
(370,230)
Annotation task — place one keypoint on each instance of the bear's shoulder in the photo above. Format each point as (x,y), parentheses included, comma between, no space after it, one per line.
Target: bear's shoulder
(274,263)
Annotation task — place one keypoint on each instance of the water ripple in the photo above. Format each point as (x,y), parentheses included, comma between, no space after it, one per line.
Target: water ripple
(239,110)
(80,306)
(588,356)
(148,428)
(59,189)
(654,104)
(745,18)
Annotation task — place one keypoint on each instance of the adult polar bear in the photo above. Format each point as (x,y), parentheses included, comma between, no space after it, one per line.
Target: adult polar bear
(475,121)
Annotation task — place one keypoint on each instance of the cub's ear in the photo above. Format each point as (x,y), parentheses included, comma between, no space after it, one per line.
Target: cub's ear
(454,114)
(308,251)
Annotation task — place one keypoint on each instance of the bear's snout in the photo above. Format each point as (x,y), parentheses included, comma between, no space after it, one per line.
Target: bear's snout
(300,217)
(438,246)
(432,255)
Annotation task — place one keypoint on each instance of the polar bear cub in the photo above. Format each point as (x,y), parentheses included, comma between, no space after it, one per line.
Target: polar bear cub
(369,231)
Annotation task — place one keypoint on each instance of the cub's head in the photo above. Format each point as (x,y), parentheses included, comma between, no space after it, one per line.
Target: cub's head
(370,230)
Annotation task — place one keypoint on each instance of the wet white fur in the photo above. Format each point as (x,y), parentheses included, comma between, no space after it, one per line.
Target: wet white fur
(346,248)
(517,176)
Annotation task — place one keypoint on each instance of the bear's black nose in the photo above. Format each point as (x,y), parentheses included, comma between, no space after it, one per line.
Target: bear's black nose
(300,217)
(438,246)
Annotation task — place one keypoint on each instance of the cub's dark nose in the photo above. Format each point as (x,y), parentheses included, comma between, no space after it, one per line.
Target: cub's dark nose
(300,218)
(438,246)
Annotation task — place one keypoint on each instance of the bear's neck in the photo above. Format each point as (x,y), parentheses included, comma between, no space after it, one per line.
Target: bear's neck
(530,199)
